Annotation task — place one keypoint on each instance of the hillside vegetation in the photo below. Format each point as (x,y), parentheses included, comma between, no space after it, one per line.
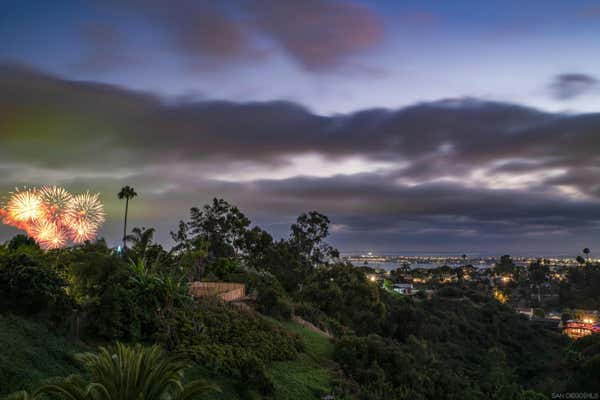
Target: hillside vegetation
(459,344)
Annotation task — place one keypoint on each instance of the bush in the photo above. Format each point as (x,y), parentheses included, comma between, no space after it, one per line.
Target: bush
(319,319)
(273,303)
(120,300)
(227,340)
(30,353)
(271,297)
(252,373)
(343,293)
(221,266)
(29,287)
(99,282)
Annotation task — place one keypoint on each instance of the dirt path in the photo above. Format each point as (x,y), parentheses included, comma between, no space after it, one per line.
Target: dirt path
(311,326)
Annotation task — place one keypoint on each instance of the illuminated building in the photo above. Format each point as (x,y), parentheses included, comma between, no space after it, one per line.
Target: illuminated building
(403,288)
(576,329)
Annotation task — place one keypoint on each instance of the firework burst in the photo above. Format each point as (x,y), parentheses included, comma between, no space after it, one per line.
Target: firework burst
(56,202)
(49,235)
(53,216)
(86,214)
(24,206)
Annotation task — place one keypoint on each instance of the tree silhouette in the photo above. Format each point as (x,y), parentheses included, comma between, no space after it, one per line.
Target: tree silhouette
(220,225)
(308,235)
(141,239)
(126,193)
(587,252)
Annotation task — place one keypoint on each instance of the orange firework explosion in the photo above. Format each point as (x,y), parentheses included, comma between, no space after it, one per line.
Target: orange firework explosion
(56,202)
(86,214)
(49,235)
(53,216)
(83,231)
(24,206)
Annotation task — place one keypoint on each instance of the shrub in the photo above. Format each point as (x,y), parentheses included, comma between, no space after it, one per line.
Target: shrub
(31,352)
(227,340)
(273,303)
(318,318)
(271,297)
(29,287)
(120,300)
(222,266)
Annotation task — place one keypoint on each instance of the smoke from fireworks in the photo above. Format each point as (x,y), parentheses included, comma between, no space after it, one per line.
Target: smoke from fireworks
(53,216)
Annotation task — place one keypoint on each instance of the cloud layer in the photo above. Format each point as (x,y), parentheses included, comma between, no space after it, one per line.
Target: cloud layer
(318,35)
(438,175)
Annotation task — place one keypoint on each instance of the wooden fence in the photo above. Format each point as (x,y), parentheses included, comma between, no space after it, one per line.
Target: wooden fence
(225,290)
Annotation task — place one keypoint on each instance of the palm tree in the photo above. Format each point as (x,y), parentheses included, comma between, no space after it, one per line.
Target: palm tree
(141,239)
(587,251)
(127,373)
(126,193)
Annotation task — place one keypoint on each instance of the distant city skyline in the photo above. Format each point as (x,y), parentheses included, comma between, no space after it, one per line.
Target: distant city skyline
(420,126)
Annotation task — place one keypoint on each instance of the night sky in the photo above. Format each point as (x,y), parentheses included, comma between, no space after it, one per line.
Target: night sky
(416,126)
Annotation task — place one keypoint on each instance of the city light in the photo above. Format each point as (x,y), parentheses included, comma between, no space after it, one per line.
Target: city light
(501,297)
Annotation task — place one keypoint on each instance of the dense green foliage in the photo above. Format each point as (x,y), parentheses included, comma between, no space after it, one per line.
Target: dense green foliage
(451,352)
(28,285)
(582,289)
(585,353)
(30,352)
(308,376)
(120,300)
(461,343)
(228,341)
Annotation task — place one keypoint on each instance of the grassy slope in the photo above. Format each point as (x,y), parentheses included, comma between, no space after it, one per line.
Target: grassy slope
(29,353)
(308,377)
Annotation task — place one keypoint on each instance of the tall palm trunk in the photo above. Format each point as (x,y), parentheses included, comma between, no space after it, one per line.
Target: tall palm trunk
(125,224)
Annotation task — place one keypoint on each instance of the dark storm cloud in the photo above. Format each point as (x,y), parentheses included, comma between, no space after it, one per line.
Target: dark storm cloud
(367,207)
(46,110)
(319,35)
(433,138)
(569,86)
(455,168)
(353,195)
